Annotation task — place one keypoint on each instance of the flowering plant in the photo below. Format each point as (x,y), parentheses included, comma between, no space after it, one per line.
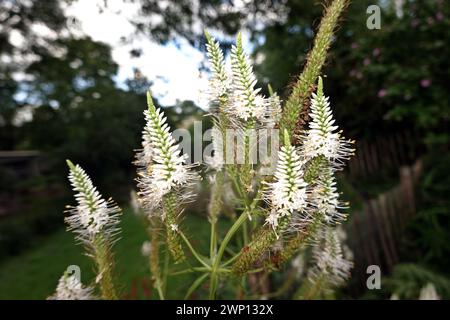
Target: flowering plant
(279,215)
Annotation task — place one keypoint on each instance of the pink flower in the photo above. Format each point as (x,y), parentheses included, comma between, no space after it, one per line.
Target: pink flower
(430,20)
(366,61)
(354,45)
(382,93)
(425,83)
(439,16)
(414,23)
(376,52)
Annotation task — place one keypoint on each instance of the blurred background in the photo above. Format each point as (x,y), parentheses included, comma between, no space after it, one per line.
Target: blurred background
(73,74)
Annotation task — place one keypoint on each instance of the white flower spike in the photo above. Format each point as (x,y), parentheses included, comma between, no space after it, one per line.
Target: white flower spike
(274,111)
(162,167)
(70,288)
(322,137)
(219,84)
(93,215)
(216,161)
(325,198)
(95,222)
(247,103)
(331,264)
(287,194)
(429,293)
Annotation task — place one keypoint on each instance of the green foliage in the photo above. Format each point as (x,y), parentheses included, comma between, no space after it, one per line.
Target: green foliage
(428,235)
(85,68)
(398,75)
(295,36)
(176,20)
(8,133)
(19,17)
(20,232)
(407,280)
(80,113)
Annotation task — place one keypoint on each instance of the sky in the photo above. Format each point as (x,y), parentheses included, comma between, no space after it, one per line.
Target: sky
(173,70)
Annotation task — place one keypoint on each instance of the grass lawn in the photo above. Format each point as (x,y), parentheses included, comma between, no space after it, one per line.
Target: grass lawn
(34,273)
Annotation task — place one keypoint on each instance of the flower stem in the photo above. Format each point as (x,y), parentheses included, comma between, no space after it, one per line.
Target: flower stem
(213,241)
(214,209)
(190,270)
(173,240)
(195,285)
(154,257)
(235,227)
(104,268)
(165,271)
(194,253)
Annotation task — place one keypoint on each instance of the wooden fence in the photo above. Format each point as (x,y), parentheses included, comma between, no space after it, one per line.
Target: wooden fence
(384,154)
(374,232)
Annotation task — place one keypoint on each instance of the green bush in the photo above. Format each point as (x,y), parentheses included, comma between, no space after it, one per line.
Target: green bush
(21,231)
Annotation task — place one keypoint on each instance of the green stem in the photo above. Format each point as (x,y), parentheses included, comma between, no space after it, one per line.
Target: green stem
(214,209)
(159,289)
(314,292)
(256,270)
(165,271)
(213,241)
(287,284)
(235,227)
(172,235)
(154,256)
(194,253)
(245,232)
(237,186)
(229,251)
(231,260)
(195,285)
(104,268)
(190,270)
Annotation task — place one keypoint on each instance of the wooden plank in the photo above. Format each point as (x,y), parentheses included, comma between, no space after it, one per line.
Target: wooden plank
(371,235)
(407,185)
(387,226)
(386,252)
